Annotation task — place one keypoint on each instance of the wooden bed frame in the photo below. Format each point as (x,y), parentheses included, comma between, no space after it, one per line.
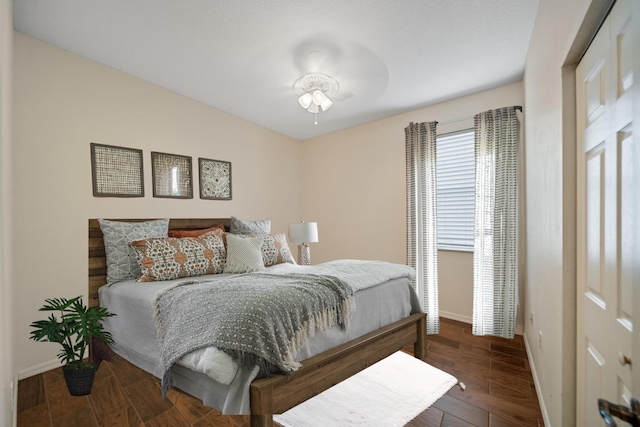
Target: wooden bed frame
(277,394)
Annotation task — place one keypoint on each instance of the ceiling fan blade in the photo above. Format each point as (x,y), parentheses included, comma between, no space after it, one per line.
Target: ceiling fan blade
(316,55)
(342,95)
(314,61)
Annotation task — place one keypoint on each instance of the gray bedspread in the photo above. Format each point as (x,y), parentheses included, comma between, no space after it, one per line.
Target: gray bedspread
(135,332)
(259,319)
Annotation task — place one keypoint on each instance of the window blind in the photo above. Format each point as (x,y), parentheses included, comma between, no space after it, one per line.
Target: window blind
(455,163)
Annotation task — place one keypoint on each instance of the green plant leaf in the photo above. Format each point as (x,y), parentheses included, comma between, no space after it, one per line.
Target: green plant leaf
(73,328)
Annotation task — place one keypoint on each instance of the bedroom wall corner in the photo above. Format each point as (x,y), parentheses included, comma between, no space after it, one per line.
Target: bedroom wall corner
(62,103)
(8,377)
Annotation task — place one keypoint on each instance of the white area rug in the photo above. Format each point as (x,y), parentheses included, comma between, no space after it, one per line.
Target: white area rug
(388,394)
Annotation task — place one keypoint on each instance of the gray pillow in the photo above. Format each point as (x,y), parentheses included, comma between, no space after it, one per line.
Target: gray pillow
(121,258)
(258,227)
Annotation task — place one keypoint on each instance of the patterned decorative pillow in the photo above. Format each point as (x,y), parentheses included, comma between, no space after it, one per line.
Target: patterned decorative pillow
(121,258)
(275,250)
(193,233)
(257,227)
(244,254)
(173,258)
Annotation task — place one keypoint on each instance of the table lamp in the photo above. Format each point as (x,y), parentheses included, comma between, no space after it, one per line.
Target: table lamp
(303,233)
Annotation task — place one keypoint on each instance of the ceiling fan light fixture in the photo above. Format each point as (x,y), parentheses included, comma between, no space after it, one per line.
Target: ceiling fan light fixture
(314,91)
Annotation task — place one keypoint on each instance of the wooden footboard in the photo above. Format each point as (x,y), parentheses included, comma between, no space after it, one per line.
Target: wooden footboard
(277,394)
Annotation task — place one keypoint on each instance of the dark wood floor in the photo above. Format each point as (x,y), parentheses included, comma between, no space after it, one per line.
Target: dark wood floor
(500,391)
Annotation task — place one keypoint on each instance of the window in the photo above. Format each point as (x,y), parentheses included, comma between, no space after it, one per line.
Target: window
(455,165)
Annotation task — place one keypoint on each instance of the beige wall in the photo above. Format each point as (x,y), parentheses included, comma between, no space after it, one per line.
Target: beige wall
(62,103)
(355,184)
(550,166)
(7,369)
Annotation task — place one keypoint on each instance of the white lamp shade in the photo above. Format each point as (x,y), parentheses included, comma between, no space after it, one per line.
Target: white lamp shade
(326,104)
(313,108)
(318,97)
(303,232)
(305,100)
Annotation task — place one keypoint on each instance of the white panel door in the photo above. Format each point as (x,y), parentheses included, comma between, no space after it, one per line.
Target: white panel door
(604,79)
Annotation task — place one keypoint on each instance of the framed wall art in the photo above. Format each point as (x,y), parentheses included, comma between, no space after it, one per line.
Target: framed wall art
(116,171)
(215,179)
(172,175)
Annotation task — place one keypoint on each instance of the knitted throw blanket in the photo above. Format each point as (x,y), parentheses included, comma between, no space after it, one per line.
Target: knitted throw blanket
(258,318)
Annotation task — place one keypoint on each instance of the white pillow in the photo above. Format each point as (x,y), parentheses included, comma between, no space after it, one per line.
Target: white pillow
(244,254)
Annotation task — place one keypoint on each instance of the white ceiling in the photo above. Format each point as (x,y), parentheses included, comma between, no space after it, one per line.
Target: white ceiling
(243,56)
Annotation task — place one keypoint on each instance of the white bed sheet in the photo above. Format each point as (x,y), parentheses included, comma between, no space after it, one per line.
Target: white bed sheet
(134,332)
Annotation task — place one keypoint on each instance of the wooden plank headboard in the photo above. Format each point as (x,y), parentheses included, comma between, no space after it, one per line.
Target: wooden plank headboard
(98,261)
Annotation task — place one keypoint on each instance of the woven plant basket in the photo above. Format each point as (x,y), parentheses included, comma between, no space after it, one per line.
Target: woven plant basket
(79,381)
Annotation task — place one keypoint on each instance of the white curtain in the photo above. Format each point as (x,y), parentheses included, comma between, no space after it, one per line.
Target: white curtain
(422,233)
(495,256)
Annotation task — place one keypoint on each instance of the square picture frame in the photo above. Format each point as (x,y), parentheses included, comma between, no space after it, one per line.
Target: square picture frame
(116,171)
(172,175)
(215,179)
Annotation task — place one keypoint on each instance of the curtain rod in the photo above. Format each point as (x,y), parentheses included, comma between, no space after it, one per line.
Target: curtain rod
(517,107)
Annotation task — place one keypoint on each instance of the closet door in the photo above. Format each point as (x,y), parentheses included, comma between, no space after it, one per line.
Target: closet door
(605,163)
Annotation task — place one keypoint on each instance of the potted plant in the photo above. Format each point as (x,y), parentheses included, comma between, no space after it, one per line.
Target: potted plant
(73,328)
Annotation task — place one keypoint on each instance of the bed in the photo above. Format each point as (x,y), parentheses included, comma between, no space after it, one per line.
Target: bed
(324,365)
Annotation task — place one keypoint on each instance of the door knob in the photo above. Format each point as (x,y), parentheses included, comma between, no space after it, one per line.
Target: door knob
(623,359)
(630,414)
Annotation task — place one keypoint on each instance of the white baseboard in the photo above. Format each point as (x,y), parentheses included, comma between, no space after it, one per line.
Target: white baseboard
(14,399)
(38,369)
(543,407)
(454,316)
